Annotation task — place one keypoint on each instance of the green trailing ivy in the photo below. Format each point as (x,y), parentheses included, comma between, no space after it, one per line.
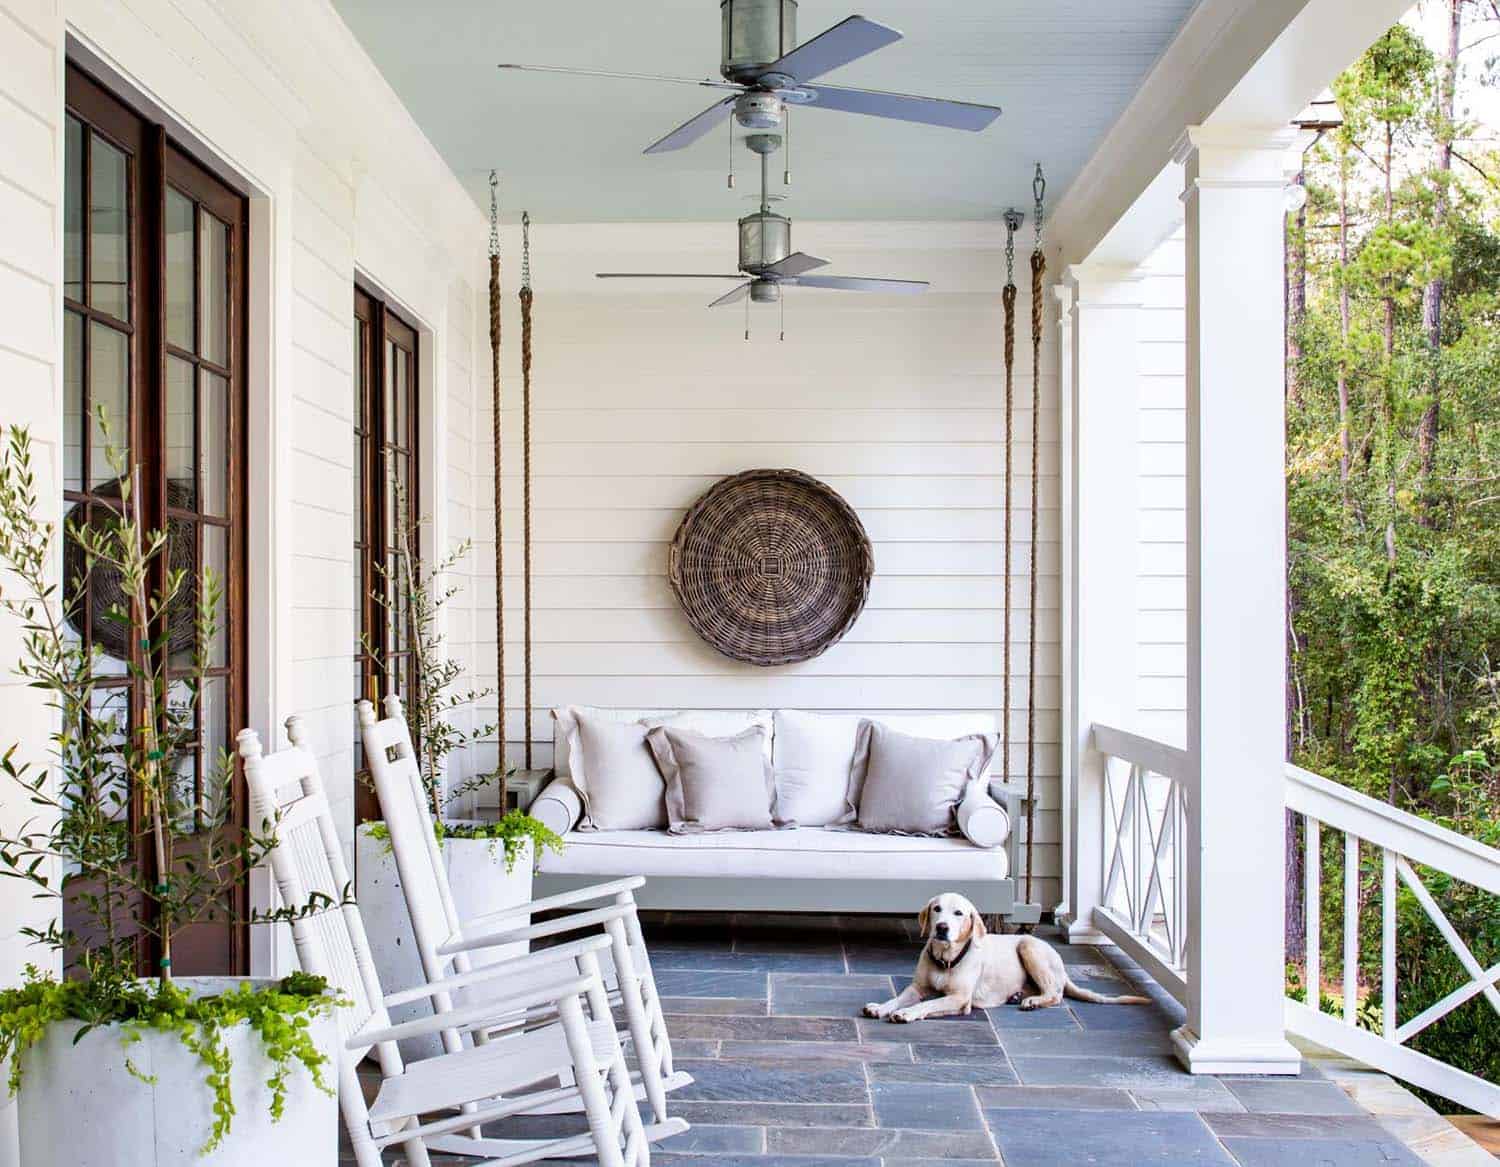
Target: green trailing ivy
(280,1015)
(513,830)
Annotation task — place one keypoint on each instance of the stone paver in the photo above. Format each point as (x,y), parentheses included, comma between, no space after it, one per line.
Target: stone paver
(765,1014)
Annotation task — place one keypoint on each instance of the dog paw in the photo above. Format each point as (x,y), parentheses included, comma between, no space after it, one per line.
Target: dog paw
(1015,998)
(901,1017)
(872,1010)
(1028,1004)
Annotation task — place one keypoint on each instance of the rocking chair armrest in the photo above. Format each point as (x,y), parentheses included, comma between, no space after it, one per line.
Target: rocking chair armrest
(566,899)
(473,1015)
(521,962)
(574,923)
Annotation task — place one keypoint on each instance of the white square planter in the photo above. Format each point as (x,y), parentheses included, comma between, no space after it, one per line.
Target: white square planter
(80,1105)
(480,883)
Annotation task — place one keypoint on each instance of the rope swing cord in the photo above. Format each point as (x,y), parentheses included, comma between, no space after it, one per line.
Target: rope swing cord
(1008,299)
(1038,270)
(495,432)
(526,462)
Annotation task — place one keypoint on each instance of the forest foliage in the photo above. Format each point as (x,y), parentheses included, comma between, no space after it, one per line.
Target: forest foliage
(1393,488)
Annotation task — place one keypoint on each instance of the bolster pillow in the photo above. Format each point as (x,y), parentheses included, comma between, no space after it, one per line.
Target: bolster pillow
(982,820)
(558,807)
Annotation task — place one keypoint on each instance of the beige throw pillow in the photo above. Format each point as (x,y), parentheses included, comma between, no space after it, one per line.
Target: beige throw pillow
(714,783)
(904,785)
(616,775)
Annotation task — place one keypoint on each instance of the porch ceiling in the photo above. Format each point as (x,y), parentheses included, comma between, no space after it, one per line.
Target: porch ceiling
(569,148)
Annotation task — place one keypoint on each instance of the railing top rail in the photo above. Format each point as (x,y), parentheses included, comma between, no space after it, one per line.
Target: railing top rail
(1157,757)
(1396,830)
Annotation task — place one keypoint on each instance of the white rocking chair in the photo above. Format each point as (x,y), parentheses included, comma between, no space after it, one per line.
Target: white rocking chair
(445,942)
(419,1104)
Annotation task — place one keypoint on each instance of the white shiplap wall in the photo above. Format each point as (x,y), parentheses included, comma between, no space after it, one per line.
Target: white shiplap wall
(31,34)
(1161,626)
(643,398)
(343,185)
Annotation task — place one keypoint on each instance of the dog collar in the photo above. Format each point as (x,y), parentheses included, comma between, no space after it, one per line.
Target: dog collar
(947,965)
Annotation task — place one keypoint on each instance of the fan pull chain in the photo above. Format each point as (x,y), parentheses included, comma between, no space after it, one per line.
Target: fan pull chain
(747,315)
(781,302)
(786,143)
(731,153)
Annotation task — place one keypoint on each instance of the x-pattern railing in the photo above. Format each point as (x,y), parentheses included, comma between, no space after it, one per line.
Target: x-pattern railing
(1401,840)
(1146,796)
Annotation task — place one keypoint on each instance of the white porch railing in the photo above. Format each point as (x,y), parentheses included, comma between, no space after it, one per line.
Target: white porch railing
(1147,786)
(1402,840)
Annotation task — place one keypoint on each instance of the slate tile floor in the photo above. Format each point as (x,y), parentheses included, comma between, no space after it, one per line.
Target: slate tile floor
(765,1014)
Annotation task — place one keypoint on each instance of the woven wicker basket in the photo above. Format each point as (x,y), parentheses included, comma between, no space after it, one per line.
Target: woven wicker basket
(771,566)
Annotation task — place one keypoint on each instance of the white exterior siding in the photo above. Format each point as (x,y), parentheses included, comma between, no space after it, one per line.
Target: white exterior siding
(31,120)
(1161,626)
(642,399)
(284,103)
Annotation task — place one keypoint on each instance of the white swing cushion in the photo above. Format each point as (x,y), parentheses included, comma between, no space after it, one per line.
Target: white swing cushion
(804,853)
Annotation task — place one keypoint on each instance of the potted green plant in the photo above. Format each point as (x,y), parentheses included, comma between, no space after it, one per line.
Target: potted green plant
(108,1067)
(490,861)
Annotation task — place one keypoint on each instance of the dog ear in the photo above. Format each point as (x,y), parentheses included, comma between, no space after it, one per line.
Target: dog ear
(923,916)
(977,930)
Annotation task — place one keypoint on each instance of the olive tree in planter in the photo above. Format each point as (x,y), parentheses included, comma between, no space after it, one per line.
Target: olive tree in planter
(489,862)
(109,1068)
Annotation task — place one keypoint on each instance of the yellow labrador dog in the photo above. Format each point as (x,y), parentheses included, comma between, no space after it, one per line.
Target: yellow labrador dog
(962,966)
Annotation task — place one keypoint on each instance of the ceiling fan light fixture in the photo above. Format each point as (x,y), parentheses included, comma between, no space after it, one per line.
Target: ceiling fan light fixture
(755,34)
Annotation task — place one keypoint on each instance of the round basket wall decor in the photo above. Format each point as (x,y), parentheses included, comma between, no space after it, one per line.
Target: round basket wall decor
(771,566)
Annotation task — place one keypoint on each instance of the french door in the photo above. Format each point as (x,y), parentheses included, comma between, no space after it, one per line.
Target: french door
(386,503)
(154,334)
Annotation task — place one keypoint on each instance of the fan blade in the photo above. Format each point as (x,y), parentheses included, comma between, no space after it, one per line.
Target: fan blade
(732,297)
(707,83)
(930,111)
(794,264)
(667,275)
(846,41)
(858,284)
(694,128)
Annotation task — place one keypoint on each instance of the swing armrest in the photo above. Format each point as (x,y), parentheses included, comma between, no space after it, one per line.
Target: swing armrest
(574,923)
(520,963)
(566,899)
(473,1015)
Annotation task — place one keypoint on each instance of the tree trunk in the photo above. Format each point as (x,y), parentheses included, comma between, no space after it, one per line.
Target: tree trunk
(1432,296)
(1295,282)
(1345,450)
(1389,297)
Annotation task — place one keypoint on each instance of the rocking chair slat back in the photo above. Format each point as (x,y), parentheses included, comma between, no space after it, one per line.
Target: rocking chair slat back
(408,819)
(287,800)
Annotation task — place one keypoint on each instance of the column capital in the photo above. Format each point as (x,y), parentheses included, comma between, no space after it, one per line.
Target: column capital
(1239,156)
(1104,285)
(1063,293)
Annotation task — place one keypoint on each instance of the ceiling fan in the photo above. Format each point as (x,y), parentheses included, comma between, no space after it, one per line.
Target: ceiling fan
(764,74)
(767,261)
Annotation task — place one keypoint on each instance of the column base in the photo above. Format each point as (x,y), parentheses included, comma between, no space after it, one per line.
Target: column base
(1081,932)
(1277,1056)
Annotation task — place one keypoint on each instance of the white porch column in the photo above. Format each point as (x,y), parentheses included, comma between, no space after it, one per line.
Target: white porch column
(1101,590)
(1068,506)
(1236,574)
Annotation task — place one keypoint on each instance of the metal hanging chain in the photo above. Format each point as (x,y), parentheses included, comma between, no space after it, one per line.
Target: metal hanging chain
(1013,220)
(526,467)
(495,432)
(1038,270)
